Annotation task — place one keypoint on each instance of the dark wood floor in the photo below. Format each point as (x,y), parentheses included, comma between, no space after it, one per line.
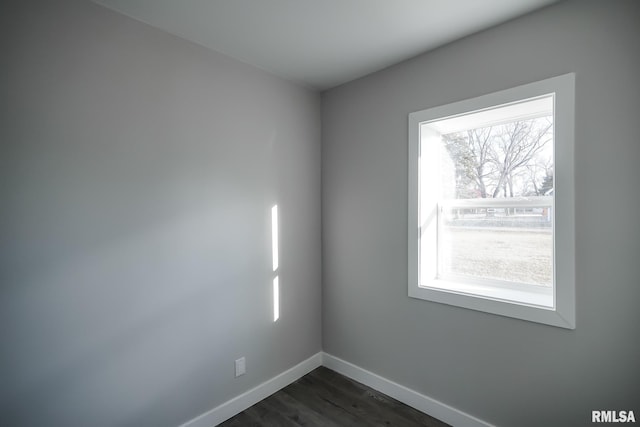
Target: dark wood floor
(324,398)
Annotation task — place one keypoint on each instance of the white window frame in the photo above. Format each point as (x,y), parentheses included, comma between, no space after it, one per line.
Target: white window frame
(463,294)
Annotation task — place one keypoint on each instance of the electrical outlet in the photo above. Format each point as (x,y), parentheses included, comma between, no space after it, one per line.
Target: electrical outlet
(241,367)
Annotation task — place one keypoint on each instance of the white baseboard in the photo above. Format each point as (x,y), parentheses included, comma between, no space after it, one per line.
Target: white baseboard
(238,404)
(399,392)
(405,395)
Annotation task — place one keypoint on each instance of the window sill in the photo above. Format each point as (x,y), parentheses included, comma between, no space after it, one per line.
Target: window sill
(532,295)
(491,299)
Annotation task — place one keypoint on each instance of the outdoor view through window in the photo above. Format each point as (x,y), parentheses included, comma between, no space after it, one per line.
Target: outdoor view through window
(486,191)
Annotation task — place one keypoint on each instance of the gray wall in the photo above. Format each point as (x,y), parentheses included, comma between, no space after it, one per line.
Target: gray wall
(137,175)
(506,371)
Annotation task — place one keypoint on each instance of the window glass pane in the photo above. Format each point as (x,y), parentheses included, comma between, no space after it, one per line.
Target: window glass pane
(496,194)
(507,244)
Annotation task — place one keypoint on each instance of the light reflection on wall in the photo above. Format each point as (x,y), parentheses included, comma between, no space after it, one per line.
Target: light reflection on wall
(276,299)
(274,262)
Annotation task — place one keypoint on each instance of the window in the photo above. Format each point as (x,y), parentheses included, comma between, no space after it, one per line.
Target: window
(491,203)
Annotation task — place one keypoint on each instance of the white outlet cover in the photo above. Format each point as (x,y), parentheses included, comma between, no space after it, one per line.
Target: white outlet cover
(240,367)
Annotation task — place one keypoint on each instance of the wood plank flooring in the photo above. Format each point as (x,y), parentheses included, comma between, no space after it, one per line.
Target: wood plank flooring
(324,398)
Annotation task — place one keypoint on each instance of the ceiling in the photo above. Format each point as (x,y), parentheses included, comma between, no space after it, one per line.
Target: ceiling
(323,43)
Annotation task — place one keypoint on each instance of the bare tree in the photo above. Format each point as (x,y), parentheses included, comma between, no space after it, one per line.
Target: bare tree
(515,148)
(471,151)
(494,160)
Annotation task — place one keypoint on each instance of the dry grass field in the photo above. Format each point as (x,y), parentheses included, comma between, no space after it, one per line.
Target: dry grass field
(513,255)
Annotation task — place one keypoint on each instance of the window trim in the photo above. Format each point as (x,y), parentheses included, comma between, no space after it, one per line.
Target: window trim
(563,312)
